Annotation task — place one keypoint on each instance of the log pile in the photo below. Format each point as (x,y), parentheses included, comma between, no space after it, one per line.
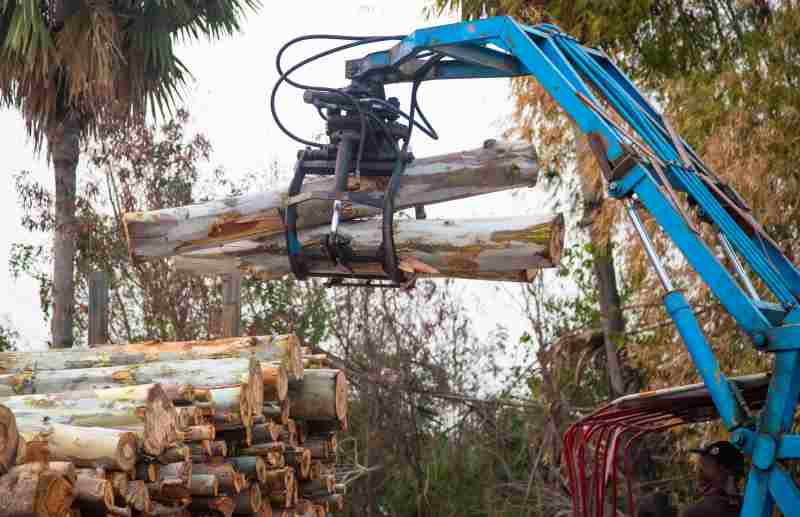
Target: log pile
(246,234)
(236,426)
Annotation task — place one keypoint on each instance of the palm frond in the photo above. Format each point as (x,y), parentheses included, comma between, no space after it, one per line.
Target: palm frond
(105,58)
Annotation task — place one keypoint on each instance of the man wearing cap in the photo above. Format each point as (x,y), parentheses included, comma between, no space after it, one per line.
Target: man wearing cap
(718,471)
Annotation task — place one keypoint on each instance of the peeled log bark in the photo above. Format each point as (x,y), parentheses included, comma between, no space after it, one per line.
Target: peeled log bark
(87,446)
(322,396)
(282,349)
(167,232)
(114,408)
(30,491)
(9,439)
(178,378)
(233,405)
(510,248)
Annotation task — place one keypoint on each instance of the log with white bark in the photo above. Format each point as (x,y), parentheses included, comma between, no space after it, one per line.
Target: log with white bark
(284,349)
(504,248)
(171,231)
(322,396)
(86,446)
(33,491)
(113,408)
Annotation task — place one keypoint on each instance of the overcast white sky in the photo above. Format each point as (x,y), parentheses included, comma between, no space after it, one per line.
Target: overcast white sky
(228,102)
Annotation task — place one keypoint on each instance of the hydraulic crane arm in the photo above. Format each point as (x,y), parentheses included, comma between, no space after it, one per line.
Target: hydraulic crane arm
(645,164)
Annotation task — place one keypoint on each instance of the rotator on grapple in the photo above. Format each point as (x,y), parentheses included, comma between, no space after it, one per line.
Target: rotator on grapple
(365,131)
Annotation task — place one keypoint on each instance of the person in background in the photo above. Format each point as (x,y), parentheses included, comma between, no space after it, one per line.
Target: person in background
(718,470)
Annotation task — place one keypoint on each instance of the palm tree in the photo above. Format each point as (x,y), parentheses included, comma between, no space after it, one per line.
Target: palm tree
(71,65)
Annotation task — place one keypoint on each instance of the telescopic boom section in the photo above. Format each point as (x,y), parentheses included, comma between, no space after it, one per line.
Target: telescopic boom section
(647,164)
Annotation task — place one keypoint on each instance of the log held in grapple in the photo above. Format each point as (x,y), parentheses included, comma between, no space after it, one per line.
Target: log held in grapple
(497,166)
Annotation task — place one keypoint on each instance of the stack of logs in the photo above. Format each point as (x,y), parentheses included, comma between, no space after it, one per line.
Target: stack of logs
(243,426)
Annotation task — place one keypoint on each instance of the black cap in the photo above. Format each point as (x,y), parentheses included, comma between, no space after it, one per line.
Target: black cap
(725,453)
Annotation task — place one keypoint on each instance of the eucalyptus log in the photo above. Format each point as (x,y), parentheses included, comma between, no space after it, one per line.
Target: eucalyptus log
(262,449)
(31,491)
(300,459)
(230,481)
(509,248)
(9,439)
(322,396)
(205,485)
(248,501)
(86,446)
(167,232)
(115,407)
(284,349)
(253,467)
(177,378)
(278,413)
(233,405)
(276,382)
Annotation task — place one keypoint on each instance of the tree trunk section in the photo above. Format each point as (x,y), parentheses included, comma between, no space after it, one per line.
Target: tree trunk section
(510,248)
(31,491)
(322,396)
(64,148)
(9,439)
(282,349)
(114,408)
(86,446)
(253,467)
(495,167)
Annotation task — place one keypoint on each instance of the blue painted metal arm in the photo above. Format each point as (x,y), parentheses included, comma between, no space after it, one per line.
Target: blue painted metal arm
(585,83)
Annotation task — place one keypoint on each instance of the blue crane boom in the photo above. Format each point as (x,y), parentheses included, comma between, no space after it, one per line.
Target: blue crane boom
(646,165)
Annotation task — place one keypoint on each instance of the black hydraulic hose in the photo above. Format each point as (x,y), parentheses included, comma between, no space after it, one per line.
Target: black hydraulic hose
(355,41)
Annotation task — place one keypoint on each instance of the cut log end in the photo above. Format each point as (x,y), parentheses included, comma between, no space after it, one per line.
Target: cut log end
(161,422)
(55,493)
(9,439)
(341,396)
